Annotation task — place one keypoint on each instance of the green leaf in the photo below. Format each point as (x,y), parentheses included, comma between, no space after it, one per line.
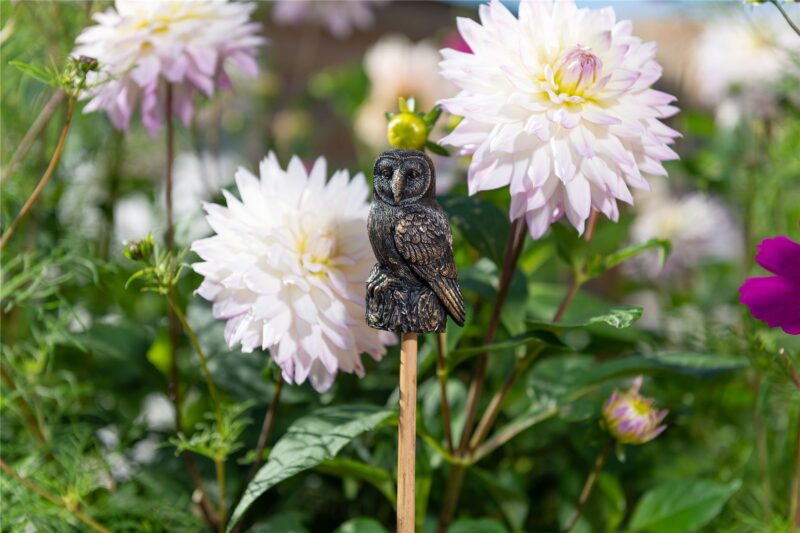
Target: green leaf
(571,247)
(361,525)
(480,525)
(529,337)
(483,224)
(689,363)
(436,148)
(432,116)
(681,505)
(621,316)
(286,522)
(600,264)
(377,477)
(160,353)
(308,442)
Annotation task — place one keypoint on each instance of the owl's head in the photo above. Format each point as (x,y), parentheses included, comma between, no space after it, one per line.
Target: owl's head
(402,177)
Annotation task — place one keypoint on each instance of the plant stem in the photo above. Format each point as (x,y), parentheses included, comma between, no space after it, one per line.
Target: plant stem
(219,467)
(27,411)
(514,245)
(496,403)
(266,429)
(572,290)
(793,374)
(786,16)
(219,462)
(441,375)
(86,519)
(35,130)
(589,485)
(212,389)
(45,177)
(794,497)
(516,239)
(509,432)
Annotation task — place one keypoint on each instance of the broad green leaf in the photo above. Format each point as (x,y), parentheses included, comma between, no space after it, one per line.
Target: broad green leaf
(480,525)
(598,265)
(361,525)
(308,442)
(377,477)
(681,505)
(481,223)
(288,522)
(691,364)
(531,337)
(621,316)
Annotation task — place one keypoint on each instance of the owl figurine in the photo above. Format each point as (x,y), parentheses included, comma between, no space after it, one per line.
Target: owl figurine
(414,284)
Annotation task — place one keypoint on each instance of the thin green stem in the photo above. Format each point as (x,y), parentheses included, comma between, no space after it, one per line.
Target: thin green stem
(45,177)
(212,389)
(33,487)
(219,462)
(786,16)
(266,429)
(441,376)
(35,130)
(589,485)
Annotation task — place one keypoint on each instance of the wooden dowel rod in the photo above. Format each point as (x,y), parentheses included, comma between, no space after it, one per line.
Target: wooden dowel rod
(407,435)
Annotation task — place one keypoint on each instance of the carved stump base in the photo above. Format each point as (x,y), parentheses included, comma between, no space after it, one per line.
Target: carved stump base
(394,304)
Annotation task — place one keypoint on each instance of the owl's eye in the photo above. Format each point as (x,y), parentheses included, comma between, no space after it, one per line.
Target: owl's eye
(386,172)
(413,174)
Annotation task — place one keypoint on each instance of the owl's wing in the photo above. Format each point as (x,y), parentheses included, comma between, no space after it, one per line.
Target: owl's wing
(424,241)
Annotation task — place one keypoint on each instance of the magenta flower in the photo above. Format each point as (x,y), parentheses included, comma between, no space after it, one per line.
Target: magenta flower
(776,299)
(631,418)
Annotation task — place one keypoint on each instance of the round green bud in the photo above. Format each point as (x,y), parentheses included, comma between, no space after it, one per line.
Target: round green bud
(407,130)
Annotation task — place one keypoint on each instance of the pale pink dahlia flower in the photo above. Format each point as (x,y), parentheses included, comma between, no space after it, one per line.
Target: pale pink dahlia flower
(286,269)
(141,44)
(558,105)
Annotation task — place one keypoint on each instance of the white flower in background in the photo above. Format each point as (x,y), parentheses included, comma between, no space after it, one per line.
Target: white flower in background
(189,44)
(286,269)
(196,180)
(558,105)
(699,227)
(79,206)
(735,60)
(135,217)
(398,67)
(341,17)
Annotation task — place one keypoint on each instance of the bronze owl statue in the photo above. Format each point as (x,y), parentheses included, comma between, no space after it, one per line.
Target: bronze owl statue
(414,284)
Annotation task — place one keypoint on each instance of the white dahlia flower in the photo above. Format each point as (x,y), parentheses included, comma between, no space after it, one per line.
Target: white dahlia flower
(188,44)
(398,67)
(699,227)
(287,268)
(558,105)
(341,17)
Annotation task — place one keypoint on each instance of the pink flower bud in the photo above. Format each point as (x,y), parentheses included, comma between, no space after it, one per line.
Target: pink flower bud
(631,418)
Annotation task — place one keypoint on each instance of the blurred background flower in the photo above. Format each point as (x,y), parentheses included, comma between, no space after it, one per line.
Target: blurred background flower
(187,44)
(738,59)
(397,67)
(286,269)
(340,17)
(700,230)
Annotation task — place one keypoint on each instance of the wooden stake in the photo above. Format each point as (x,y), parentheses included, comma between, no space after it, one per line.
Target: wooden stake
(407,435)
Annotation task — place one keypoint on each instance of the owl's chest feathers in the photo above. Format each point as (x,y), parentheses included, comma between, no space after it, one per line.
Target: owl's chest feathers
(383,219)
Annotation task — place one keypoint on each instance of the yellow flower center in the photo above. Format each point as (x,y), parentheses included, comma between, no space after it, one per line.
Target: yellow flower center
(577,70)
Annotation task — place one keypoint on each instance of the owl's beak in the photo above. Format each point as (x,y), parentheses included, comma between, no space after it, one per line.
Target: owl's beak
(398,184)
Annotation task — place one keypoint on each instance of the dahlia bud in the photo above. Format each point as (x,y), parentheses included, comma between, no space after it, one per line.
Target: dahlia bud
(631,418)
(140,250)
(407,130)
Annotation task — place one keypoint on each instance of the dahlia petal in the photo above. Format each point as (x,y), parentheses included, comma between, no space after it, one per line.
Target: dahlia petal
(774,300)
